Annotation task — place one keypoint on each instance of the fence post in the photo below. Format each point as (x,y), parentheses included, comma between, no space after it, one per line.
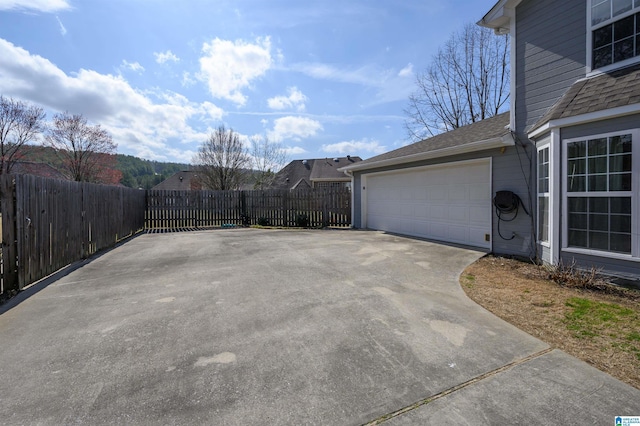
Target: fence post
(9,237)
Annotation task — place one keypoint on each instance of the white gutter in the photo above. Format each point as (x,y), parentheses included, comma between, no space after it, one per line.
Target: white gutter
(506,140)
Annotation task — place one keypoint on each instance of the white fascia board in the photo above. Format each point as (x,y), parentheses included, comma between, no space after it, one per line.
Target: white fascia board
(500,15)
(506,140)
(585,118)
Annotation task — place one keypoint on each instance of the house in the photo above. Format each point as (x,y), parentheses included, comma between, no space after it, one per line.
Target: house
(37,169)
(180,181)
(576,97)
(565,184)
(440,188)
(314,173)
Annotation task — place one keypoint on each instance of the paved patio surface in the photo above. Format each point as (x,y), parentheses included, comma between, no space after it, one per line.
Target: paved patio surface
(246,326)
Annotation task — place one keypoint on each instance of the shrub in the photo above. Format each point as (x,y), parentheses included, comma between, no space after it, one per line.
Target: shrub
(572,276)
(263,221)
(302,220)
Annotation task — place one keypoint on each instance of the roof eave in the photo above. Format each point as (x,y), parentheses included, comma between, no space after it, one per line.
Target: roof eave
(499,17)
(497,142)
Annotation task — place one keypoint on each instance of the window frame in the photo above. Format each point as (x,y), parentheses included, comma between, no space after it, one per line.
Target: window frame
(545,194)
(634,194)
(635,9)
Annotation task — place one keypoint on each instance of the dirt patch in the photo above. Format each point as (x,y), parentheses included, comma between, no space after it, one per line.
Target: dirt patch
(600,326)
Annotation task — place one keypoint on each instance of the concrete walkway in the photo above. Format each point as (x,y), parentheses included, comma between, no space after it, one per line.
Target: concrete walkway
(245,326)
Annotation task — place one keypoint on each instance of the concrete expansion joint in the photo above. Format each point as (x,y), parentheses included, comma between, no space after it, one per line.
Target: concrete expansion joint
(456,388)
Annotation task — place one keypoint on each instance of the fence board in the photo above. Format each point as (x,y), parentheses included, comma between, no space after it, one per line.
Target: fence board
(169,210)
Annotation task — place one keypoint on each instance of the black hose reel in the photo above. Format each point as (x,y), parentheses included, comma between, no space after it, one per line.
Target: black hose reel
(507,205)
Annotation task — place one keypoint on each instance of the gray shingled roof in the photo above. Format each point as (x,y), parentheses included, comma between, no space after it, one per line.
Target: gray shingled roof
(179,181)
(488,129)
(300,173)
(327,169)
(604,91)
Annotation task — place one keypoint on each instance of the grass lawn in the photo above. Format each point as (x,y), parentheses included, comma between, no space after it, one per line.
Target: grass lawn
(598,324)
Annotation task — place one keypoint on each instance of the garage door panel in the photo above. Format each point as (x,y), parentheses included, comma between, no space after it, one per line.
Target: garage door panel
(451,203)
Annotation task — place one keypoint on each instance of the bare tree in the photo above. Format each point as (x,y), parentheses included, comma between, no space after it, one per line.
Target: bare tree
(20,123)
(267,158)
(222,160)
(467,81)
(80,146)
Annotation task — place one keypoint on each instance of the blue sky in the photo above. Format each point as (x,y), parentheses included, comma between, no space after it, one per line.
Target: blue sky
(323,78)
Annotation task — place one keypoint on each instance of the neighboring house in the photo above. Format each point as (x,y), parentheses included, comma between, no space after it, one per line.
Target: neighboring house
(571,154)
(37,169)
(180,181)
(314,173)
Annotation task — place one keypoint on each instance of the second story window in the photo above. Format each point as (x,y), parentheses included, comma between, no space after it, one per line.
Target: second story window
(615,31)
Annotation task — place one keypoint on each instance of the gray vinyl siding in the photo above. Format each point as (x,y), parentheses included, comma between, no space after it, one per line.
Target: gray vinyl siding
(550,55)
(612,266)
(599,127)
(506,175)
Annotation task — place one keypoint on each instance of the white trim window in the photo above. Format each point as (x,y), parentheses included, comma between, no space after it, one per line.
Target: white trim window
(601,192)
(543,194)
(614,33)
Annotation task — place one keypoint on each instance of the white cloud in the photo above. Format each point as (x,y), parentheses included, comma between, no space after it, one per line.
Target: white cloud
(228,67)
(294,150)
(47,6)
(162,57)
(137,123)
(406,71)
(391,85)
(63,30)
(132,66)
(354,147)
(295,100)
(295,128)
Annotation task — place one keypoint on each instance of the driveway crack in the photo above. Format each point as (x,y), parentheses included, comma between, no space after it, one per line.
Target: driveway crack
(456,388)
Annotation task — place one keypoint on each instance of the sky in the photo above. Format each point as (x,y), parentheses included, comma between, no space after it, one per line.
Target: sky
(323,78)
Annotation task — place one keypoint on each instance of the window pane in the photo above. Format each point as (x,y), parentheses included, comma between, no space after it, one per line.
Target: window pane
(598,165)
(543,218)
(620,163)
(577,204)
(597,147)
(621,243)
(623,50)
(621,205)
(578,221)
(603,37)
(577,149)
(599,205)
(599,222)
(577,238)
(620,144)
(577,184)
(597,183)
(599,240)
(620,182)
(577,167)
(623,28)
(621,6)
(621,223)
(600,13)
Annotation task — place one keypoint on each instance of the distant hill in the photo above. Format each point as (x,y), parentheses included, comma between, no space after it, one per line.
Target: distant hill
(136,172)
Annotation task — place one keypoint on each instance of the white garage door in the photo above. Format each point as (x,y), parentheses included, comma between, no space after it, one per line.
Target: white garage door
(450,202)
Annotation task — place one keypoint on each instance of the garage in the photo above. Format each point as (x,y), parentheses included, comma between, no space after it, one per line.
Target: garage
(448,202)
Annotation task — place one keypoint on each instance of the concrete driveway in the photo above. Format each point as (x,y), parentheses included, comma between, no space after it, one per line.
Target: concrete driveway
(246,326)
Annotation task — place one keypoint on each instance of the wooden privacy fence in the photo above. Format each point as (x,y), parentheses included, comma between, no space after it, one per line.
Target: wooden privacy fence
(48,224)
(206,209)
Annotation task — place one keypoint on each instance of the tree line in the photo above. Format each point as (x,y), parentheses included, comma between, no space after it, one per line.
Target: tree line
(84,151)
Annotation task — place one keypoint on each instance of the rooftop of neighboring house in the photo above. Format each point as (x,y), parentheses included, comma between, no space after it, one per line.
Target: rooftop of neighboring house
(486,134)
(36,169)
(179,181)
(303,173)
